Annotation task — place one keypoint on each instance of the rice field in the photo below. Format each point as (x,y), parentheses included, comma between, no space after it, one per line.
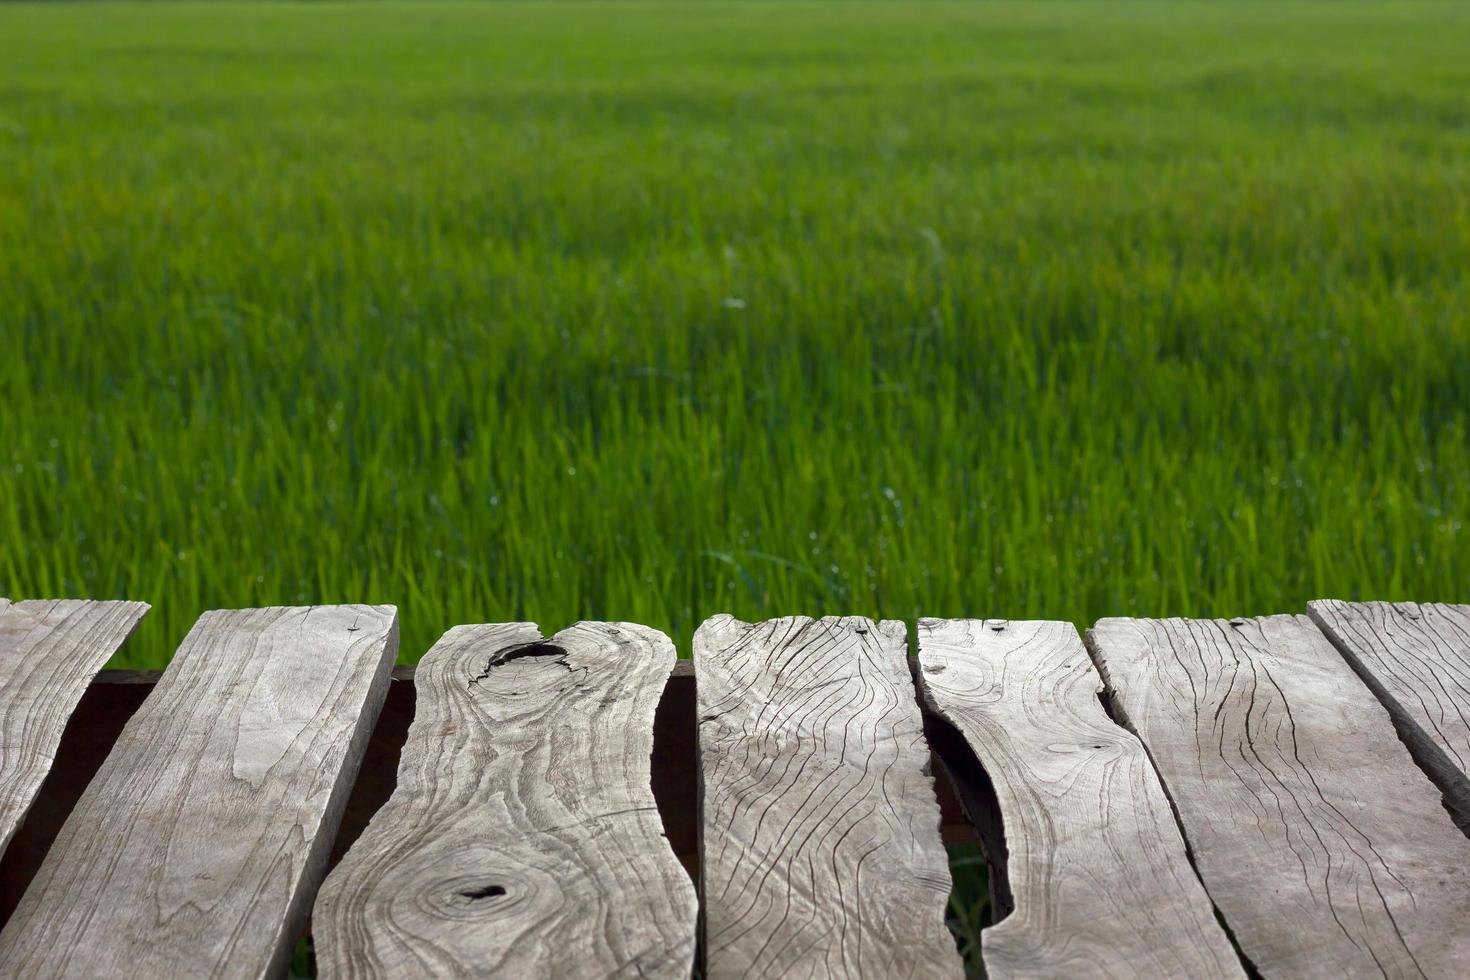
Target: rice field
(652,311)
(649,311)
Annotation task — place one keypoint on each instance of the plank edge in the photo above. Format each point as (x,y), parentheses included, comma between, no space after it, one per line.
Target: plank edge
(1453,785)
(293,922)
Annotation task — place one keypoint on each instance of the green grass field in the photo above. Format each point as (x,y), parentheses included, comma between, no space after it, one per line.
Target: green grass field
(653,311)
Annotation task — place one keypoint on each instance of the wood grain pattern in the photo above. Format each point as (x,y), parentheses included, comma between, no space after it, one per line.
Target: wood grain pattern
(523,839)
(1101,881)
(198,846)
(49,652)
(1325,848)
(821,831)
(1416,658)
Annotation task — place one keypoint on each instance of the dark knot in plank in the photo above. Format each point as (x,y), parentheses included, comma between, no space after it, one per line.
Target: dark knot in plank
(523,651)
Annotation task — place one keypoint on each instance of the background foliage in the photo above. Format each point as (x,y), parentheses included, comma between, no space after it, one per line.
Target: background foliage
(652,311)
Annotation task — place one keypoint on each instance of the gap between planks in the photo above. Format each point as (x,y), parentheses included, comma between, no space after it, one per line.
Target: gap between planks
(1415,657)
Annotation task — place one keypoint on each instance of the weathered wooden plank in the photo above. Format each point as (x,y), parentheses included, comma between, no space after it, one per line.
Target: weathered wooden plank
(523,839)
(197,848)
(1101,881)
(1416,659)
(49,652)
(821,831)
(1325,848)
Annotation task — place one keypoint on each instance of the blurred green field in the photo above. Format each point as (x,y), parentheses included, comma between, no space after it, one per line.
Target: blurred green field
(653,311)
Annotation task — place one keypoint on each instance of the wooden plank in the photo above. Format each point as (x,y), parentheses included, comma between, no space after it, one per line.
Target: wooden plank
(49,652)
(821,831)
(1325,848)
(1097,868)
(197,848)
(1416,658)
(523,839)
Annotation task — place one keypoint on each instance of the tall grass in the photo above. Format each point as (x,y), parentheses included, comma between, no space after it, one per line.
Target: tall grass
(653,311)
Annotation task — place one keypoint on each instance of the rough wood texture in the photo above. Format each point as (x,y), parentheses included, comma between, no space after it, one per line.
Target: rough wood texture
(196,849)
(523,839)
(821,831)
(1325,848)
(1097,868)
(1416,658)
(49,652)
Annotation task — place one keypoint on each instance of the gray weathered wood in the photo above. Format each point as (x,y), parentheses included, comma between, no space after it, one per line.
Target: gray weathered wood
(1098,870)
(523,839)
(198,846)
(49,652)
(821,831)
(1416,658)
(1325,848)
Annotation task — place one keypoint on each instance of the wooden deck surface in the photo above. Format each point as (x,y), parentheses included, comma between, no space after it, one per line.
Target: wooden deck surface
(1326,849)
(1276,796)
(1096,864)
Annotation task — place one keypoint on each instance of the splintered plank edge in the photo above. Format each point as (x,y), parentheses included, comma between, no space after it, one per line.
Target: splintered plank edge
(820,827)
(523,838)
(197,847)
(1097,868)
